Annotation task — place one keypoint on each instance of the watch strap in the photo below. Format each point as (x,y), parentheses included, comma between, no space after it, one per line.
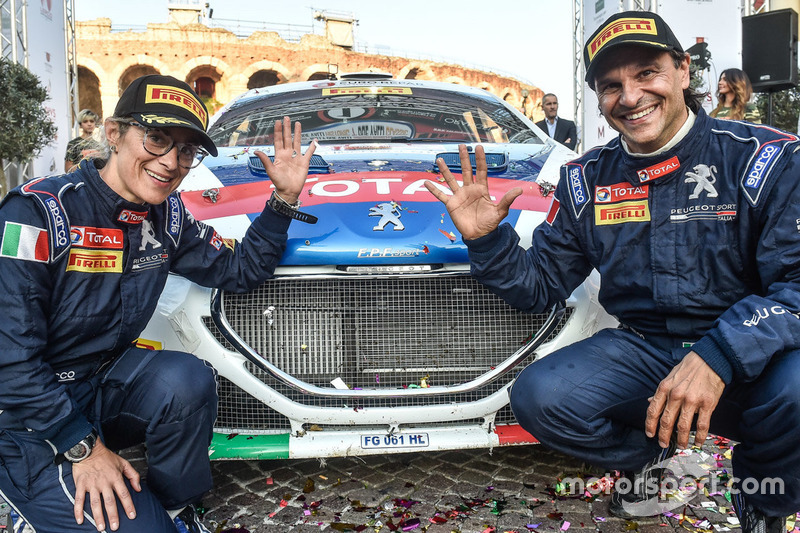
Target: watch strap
(282,207)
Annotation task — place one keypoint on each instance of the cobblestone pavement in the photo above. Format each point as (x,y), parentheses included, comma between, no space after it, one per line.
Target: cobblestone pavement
(475,491)
(514,489)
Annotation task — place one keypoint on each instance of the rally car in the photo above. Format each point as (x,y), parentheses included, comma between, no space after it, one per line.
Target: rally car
(372,337)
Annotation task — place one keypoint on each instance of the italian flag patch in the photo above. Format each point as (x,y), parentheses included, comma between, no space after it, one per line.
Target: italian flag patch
(21,241)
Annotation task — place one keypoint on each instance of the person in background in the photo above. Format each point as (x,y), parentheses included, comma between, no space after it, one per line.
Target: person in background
(85,145)
(83,259)
(559,129)
(692,224)
(734,92)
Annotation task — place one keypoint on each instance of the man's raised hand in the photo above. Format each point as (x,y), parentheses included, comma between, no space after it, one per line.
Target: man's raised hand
(470,205)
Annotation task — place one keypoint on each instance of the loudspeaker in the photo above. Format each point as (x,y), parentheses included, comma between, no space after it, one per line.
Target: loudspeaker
(769,50)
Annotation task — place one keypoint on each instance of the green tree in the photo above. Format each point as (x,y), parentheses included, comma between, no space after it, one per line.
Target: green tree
(784,108)
(25,126)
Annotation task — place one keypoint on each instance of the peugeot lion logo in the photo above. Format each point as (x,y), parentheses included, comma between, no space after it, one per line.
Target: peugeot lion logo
(389,213)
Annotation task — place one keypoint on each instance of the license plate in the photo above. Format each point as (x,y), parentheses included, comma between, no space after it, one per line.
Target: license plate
(406,440)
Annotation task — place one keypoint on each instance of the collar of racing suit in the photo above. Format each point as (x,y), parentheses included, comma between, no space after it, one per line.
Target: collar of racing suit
(121,210)
(672,142)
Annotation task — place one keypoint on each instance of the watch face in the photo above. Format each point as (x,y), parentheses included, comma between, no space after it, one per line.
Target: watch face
(79,452)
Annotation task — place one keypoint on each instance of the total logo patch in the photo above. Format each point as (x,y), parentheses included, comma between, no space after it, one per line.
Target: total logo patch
(658,170)
(604,194)
(132,217)
(216,241)
(622,213)
(96,261)
(89,237)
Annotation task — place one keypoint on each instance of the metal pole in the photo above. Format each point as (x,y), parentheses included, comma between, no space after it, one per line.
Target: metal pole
(72,64)
(577,79)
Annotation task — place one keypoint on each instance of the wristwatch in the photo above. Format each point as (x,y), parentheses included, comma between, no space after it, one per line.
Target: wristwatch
(282,207)
(83,449)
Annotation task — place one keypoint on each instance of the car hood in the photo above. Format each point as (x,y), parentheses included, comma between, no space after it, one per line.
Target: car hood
(371,201)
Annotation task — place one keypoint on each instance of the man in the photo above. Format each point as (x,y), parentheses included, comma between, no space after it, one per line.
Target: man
(560,129)
(693,226)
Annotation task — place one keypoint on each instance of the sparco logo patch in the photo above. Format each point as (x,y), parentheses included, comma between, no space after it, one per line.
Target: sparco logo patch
(604,194)
(624,26)
(88,237)
(761,166)
(576,185)
(105,261)
(621,213)
(59,224)
(661,169)
(174,216)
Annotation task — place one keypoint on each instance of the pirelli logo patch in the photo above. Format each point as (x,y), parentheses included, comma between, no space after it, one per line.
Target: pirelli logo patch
(622,213)
(95,261)
(623,26)
(164,94)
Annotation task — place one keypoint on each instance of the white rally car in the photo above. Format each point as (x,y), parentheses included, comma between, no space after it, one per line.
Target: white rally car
(372,337)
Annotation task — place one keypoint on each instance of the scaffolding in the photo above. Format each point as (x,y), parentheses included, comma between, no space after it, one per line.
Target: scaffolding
(71,47)
(13,28)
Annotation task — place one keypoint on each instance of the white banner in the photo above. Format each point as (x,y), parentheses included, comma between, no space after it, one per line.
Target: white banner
(710,30)
(47,58)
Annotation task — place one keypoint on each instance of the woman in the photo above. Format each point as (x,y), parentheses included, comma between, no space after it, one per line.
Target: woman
(84,145)
(83,259)
(733,93)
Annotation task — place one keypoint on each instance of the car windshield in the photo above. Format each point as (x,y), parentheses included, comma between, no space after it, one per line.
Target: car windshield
(370,113)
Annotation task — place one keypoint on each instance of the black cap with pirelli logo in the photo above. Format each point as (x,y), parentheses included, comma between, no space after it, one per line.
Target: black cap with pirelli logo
(629,27)
(165,102)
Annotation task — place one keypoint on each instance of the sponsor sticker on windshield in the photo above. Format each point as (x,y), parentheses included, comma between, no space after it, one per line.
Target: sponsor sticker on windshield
(334,91)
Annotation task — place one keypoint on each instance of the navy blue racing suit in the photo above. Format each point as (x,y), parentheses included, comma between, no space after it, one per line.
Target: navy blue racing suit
(81,271)
(698,248)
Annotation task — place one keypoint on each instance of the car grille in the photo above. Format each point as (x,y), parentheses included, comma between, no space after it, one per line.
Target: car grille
(398,333)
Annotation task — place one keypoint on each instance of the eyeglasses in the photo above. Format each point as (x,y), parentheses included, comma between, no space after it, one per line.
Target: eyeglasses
(158,143)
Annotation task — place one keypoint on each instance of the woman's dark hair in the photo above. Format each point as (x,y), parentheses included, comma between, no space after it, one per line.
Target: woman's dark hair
(742,91)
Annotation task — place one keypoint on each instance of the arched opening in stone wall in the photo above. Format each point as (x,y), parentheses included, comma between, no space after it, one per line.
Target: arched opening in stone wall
(132,73)
(319,76)
(205,87)
(263,78)
(89,91)
(203,80)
